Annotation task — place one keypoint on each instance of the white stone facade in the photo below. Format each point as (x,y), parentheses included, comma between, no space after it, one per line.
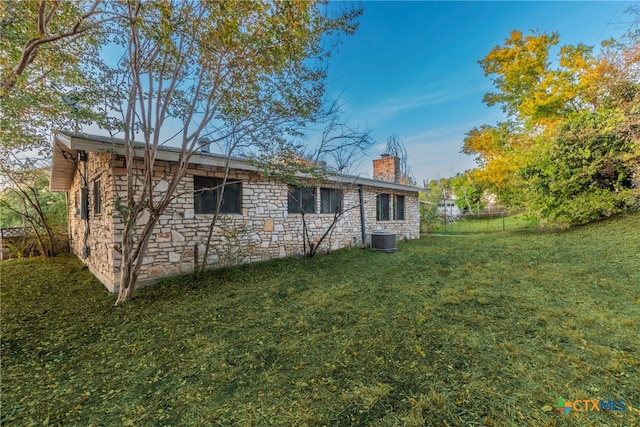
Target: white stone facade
(263,230)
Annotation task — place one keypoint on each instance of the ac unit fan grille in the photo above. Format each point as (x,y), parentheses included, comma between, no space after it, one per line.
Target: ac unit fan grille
(383,241)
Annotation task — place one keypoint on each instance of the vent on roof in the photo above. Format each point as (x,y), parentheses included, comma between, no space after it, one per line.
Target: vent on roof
(383,241)
(205,145)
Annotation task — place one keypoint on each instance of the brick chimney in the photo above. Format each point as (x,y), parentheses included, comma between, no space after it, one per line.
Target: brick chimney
(387,168)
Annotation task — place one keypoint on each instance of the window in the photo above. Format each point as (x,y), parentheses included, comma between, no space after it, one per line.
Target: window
(382,207)
(84,203)
(398,208)
(301,199)
(330,200)
(206,192)
(97,201)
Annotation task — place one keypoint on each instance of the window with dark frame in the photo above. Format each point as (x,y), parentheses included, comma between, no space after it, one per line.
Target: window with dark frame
(382,207)
(398,208)
(207,190)
(97,198)
(84,203)
(330,200)
(301,199)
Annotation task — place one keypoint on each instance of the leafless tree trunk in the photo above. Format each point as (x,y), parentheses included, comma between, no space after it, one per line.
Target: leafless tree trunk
(148,105)
(232,147)
(311,246)
(396,148)
(342,145)
(214,220)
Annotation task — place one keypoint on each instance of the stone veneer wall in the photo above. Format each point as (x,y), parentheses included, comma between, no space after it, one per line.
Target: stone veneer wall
(263,231)
(96,233)
(409,228)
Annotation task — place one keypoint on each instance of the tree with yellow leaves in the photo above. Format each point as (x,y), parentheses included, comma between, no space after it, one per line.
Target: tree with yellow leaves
(570,146)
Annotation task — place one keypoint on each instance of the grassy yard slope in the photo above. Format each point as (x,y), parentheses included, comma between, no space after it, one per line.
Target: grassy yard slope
(458,331)
(470,224)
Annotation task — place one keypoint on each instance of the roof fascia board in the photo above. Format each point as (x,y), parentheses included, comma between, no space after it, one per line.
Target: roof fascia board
(103,145)
(352,179)
(86,144)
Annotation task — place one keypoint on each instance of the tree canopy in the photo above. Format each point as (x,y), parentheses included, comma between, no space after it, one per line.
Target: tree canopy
(243,76)
(570,148)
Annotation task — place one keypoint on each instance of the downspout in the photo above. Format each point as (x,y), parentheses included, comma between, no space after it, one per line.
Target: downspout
(363,227)
(84,203)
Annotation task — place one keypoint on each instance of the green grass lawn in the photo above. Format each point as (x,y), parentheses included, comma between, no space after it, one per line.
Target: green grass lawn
(470,224)
(478,330)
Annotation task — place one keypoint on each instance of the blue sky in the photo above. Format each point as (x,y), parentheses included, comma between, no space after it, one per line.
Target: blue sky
(412,69)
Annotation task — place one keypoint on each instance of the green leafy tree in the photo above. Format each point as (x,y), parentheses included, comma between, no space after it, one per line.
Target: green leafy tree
(27,202)
(567,128)
(49,79)
(468,191)
(40,37)
(50,70)
(500,151)
(240,70)
(430,212)
(584,175)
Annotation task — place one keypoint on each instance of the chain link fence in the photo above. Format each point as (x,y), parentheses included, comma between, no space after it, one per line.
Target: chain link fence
(482,222)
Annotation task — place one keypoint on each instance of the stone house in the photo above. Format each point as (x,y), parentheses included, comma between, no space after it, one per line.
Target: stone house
(260,217)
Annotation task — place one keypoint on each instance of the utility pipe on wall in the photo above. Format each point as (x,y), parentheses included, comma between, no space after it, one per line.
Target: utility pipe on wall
(363,227)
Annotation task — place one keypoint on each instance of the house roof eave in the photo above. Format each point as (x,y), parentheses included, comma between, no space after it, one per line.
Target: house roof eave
(62,165)
(66,146)
(358,180)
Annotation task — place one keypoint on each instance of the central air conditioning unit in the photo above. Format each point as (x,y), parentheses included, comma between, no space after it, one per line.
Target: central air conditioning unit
(383,241)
